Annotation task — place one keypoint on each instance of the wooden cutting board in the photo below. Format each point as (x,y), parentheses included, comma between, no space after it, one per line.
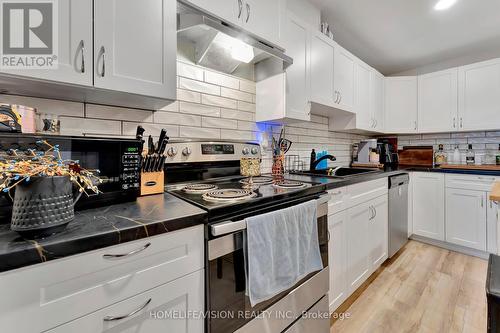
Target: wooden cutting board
(495,192)
(486,167)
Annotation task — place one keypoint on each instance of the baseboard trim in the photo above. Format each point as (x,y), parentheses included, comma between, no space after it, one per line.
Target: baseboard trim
(451,247)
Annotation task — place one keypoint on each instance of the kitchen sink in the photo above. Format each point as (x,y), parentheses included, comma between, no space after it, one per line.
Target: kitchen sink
(342,172)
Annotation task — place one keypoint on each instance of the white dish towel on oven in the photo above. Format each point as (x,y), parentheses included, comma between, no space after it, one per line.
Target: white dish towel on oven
(281,248)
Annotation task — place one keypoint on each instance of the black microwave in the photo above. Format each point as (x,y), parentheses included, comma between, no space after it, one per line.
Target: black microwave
(116,159)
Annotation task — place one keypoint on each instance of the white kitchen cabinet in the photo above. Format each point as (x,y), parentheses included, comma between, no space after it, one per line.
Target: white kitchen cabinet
(171,303)
(377,109)
(362,97)
(492,220)
(230,11)
(438,101)
(401,104)
(74,46)
(262,18)
(60,291)
(466,218)
(322,70)
(428,205)
(344,78)
(124,59)
(379,231)
(285,96)
(479,96)
(337,259)
(358,246)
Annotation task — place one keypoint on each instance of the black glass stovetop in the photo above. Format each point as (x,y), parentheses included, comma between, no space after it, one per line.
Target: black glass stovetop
(264,196)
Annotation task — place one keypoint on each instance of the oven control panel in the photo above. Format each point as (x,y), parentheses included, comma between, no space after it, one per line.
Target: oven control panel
(209,151)
(130,163)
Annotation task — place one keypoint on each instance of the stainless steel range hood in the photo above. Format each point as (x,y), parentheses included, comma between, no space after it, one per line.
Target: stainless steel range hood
(224,47)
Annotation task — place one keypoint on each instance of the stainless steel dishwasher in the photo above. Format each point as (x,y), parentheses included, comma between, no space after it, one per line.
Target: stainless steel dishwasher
(398,212)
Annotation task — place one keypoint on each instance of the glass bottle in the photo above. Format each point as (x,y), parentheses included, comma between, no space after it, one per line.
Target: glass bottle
(440,156)
(470,158)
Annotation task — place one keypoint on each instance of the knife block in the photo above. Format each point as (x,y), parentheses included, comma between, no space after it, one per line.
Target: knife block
(152,183)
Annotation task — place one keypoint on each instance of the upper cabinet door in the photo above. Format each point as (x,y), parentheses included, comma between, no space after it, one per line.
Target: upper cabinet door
(377,100)
(296,39)
(135,46)
(74,46)
(344,78)
(231,11)
(262,18)
(479,96)
(322,69)
(401,104)
(362,107)
(438,101)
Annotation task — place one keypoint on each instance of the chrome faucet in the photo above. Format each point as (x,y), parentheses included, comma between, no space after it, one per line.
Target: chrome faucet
(315,163)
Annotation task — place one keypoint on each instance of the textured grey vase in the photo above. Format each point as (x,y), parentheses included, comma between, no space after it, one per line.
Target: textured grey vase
(42,206)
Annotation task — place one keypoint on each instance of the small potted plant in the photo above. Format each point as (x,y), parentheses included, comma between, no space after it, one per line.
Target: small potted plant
(43,183)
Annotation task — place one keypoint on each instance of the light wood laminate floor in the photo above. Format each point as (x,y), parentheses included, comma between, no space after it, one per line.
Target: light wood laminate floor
(424,289)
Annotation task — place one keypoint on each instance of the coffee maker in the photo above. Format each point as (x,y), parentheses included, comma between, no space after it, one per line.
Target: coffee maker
(388,150)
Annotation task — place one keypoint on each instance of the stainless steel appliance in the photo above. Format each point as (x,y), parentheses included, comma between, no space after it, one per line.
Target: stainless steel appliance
(208,177)
(398,212)
(388,154)
(117,160)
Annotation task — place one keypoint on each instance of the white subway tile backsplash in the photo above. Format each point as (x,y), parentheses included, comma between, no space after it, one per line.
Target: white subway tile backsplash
(175,118)
(117,113)
(129,129)
(247,125)
(172,107)
(247,86)
(236,94)
(245,106)
(46,106)
(219,101)
(199,133)
(86,126)
(199,109)
(188,96)
(199,86)
(189,71)
(237,135)
(235,114)
(219,123)
(221,80)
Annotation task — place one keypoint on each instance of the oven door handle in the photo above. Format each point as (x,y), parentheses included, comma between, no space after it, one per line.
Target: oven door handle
(228,227)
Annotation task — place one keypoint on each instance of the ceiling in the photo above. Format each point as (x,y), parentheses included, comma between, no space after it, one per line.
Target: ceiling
(399,35)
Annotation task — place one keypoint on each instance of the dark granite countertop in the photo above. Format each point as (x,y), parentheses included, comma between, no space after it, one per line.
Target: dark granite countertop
(332,183)
(99,228)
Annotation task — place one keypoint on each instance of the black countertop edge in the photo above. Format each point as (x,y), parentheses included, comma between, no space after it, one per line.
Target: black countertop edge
(332,183)
(99,228)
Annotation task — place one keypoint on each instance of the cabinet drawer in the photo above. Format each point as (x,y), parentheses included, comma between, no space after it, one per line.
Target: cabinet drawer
(162,309)
(363,192)
(59,291)
(471,182)
(338,200)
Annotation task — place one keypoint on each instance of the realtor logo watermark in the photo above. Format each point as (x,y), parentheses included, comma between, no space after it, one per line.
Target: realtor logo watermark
(29,34)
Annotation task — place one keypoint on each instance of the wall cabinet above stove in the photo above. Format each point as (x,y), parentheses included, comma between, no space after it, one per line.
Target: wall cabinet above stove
(104,57)
(401,104)
(259,17)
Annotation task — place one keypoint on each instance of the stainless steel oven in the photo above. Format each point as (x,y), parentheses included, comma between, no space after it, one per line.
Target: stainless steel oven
(229,307)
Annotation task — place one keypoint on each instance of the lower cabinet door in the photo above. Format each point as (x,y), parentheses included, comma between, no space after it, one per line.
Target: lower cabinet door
(466,218)
(378,232)
(167,308)
(492,226)
(358,266)
(428,205)
(337,256)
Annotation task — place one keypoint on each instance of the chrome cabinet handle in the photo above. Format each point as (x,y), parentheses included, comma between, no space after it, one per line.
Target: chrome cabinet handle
(415,125)
(240,8)
(375,211)
(82,47)
(487,178)
(482,201)
(248,13)
(376,123)
(454,122)
(340,95)
(371,213)
(328,236)
(461,122)
(123,255)
(103,52)
(113,318)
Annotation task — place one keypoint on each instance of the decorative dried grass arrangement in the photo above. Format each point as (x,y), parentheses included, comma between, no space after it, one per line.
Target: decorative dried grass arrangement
(18,169)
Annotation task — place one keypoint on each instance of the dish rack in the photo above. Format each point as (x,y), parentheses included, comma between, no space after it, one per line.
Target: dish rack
(293,163)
